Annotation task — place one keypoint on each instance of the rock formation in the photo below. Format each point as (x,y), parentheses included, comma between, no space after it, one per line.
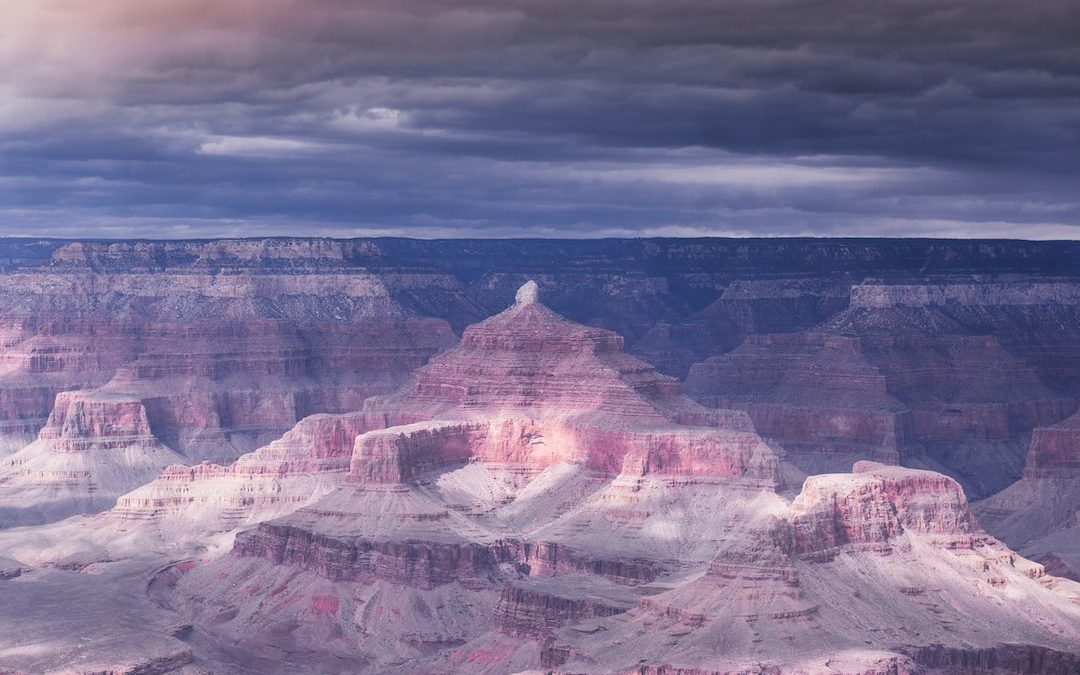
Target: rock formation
(296,491)
(554,501)
(876,571)
(1039,515)
(817,394)
(546,452)
(93,448)
(746,307)
(222,363)
(926,375)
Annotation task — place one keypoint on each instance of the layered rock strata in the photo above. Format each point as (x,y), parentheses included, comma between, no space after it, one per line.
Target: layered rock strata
(1039,515)
(951,376)
(874,571)
(305,463)
(746,307)
(94,448)
(223,362)
(541,435)
(817,394)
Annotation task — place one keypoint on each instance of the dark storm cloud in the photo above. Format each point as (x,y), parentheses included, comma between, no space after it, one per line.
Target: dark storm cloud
(446,117)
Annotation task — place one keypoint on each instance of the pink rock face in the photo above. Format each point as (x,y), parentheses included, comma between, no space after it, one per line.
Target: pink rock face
(223,362)
(80,422)
(816,394)
(528,405)
(307,462)
(533,498)
(529,357)
(537,608)
(874,505)
(418,564)
(687,453)
(537,389)
(904,556)
(1039,515)
(400,454)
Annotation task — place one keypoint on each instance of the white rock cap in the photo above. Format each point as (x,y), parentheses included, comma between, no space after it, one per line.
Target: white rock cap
(528,294)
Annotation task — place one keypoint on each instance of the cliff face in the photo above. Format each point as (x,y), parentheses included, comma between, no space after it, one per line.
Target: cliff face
(589,536)
(544,448)
(192,502)
(1039,515)
(817,394)
(223,358)
(229,343)
(1055,451)
(875,504)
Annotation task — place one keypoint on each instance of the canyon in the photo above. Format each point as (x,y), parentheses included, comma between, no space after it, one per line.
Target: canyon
(501,456)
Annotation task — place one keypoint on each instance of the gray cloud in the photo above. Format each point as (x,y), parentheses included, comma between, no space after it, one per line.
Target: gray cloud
(544,117)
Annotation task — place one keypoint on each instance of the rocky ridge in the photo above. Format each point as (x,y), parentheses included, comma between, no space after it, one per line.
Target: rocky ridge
(951,376)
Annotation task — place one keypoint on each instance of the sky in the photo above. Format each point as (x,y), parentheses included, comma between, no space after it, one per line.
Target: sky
(540,118)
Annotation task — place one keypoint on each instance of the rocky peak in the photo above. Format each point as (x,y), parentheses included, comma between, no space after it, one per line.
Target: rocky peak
(529,326)
(530,357)
(528,294)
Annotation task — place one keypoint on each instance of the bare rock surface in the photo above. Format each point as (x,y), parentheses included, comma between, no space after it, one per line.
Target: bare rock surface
(906,568)
(94,447)
(1039,515)
(222,362)
(953,376)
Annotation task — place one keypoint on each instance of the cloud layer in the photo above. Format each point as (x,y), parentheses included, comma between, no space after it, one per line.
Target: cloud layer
(540,117)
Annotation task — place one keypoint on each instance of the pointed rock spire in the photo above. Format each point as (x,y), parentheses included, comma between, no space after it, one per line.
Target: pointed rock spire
(528,294)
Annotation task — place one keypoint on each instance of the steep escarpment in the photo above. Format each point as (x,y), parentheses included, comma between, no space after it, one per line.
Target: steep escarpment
(746,307)
(324,323)
(541,496)
(222,362)
(576,537)
(817,394)
(875,504)
(307,462)
(1055,451)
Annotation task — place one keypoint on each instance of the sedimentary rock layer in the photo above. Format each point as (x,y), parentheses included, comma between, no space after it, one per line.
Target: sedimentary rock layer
(94,448)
